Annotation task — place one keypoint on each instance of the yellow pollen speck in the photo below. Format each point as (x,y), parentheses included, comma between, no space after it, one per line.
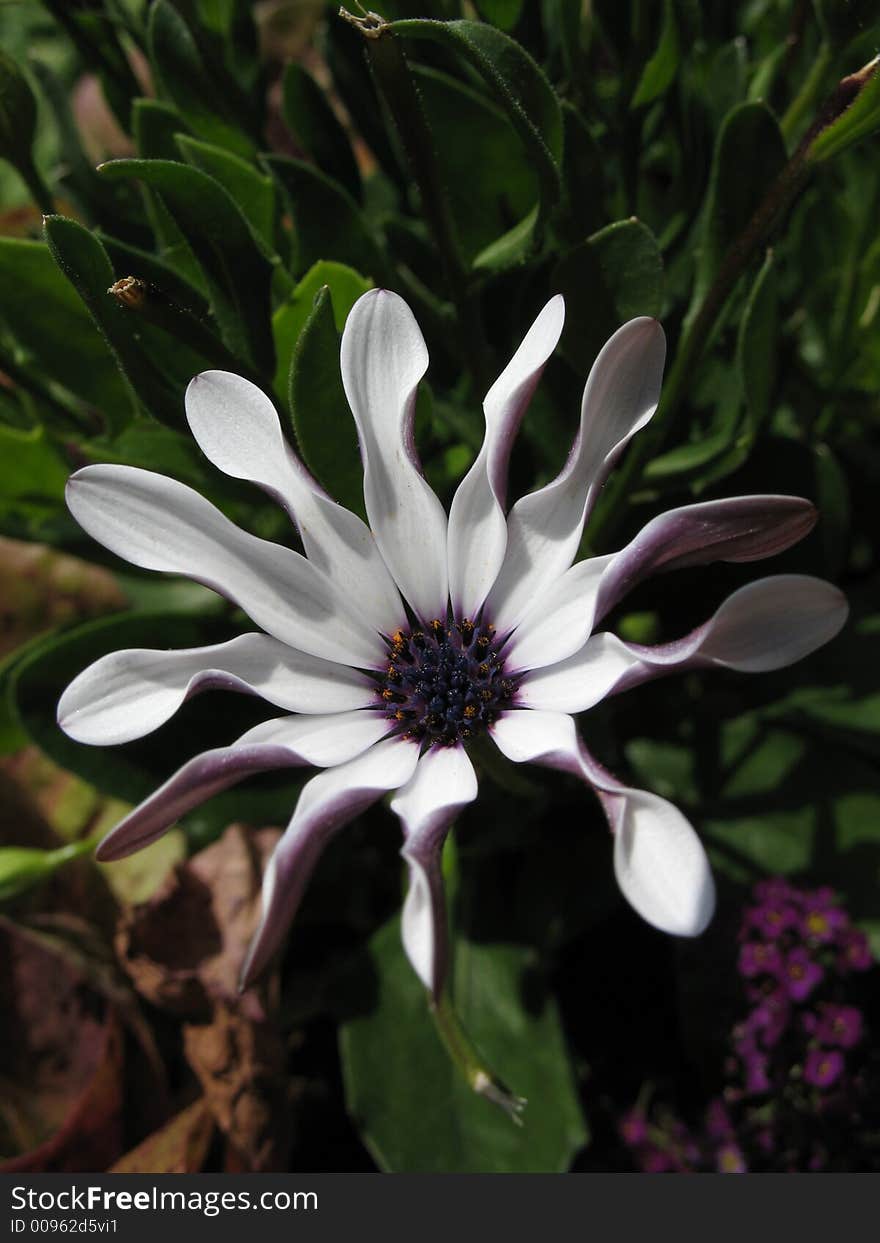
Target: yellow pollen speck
(387,693)
(470,711)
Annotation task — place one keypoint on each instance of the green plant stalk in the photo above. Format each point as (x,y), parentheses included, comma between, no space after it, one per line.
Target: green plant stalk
(392,73)
(470,1062)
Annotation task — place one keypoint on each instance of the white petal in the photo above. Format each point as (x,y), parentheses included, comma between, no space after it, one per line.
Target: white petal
(160,524)
(765,625)
(544,528)
(528,737)
(327,803)
(237,428)
(560,621)
(128,694)
(581,681)
(477,528)
(325,740)
(442,784)
(383,358)
(773,622)
(295,742)
(660,864)
(738,528)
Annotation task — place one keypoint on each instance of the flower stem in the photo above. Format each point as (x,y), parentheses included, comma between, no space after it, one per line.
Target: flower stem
(395,80)
(469,1061)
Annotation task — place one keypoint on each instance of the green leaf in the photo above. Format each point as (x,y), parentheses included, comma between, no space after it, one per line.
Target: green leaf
(132,771)
(749,155)
(85,263)
(181,70)
(325,429)
(327,221)
(501,13)
(252,191)
(757,345)
(46,318)
(487,183)
(238,273)
(22,867)
(413,1107)
(511,249)
(345,286)
(611,277)
(173,279)
(697,461)
(155,126)
(30,468)
(314,124)
(855,108)
(659,73)
(518,85)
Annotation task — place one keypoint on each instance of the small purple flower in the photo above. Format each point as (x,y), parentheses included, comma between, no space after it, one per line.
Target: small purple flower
(800,974)
(755,1066)
(730,1160)
(769,1020)
(772,919)
(774,889)
(840,1025)
(823,1067)
(759,958)
(634,1128)
(822,919)
(855,953)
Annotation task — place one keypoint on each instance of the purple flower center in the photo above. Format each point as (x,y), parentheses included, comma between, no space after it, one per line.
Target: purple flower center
(446,682)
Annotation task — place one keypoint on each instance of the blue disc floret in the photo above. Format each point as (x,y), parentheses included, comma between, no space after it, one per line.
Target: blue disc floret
(445,682)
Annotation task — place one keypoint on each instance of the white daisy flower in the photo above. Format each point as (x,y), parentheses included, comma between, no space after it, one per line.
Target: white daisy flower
(390,648)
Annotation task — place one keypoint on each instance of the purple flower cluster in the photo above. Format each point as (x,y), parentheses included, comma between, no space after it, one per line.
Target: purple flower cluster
(796,948)
(797,1071)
